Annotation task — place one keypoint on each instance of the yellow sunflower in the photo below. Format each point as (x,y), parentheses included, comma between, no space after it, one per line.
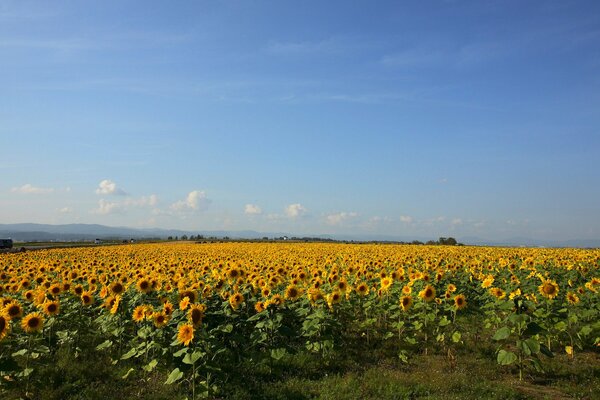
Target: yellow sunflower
(139,313)
(14,310)
(292,292)
(362,289)
(51,308)
(4,326)
(235,300)
(428,293)
(548,289)
(185,334)
(572,298)
(406,302)
(33,323)
(160,319)
(195,314)
(460,301)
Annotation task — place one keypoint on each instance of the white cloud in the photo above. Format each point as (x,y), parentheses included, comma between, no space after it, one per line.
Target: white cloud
(106,207)
(252,209)
(338,218)
(407,219)
(195,200)
(65,210)
(30,189)
(295,210)
(457,221)
(109,187)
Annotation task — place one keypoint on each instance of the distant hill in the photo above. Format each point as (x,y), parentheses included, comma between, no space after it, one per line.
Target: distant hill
(28,232)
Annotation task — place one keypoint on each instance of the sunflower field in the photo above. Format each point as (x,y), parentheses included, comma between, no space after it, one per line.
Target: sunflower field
(197,316)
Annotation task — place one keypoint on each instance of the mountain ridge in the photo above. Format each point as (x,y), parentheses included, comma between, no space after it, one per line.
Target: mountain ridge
(63,232)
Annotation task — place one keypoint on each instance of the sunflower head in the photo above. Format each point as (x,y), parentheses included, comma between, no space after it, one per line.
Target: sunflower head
(4,326)
(185,334)
(51,308)
(406,302)
(33,323)
(292,292)
(235,300)
(460,301)
(548,289)
(428,293)
(160,319)
(14,310)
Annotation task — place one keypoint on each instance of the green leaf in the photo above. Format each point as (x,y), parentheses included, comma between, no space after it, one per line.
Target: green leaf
(104,345)
(456,336)
(521,345)
(533,344)
(180,352)
(444,321)
(277,354)
(502,333)
(19,353)
(128,373)
(585,330)
(174,376)
(150,366)
(129,354)
(193,357)
(506,357)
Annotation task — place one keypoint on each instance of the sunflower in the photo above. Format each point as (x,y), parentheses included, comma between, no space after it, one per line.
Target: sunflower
(407,290)
(51,308)
(497,293)
(314,295)
(55,289)
(117,288)
(572,298)
(14,310)
(184,303)
(259,306)
(487,282)
(362,289)
(406,302)
(548,289)
(115,305)
(292,292)
(196,313)
(341,285)
(386,283)
(87,298)
(144,286)
(451,288)
(460,301)
(168,308)
(185,334)
(4,326)
(33,322)
(139,313)
(334,298)
(190,294)
(428,293)
(235,300)
(160,319)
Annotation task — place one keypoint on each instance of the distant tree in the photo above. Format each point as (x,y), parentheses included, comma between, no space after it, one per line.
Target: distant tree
(170,238)
(176,237)
(184,237)
(450,241)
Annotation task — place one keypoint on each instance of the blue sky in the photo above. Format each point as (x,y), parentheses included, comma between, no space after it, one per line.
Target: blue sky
(432,118)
